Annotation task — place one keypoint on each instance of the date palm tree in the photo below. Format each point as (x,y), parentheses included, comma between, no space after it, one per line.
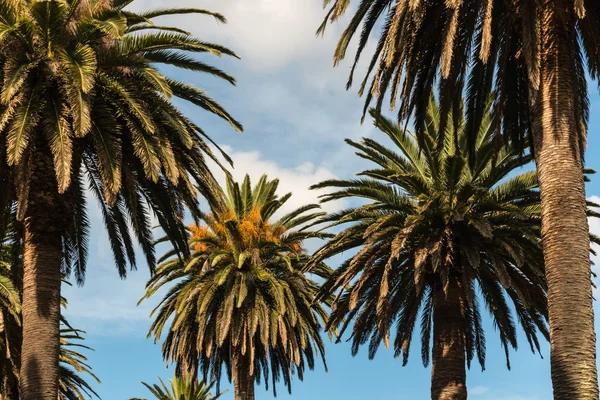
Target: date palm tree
(83,106)
(182,389)
(532,56)
(437,240)
(242,302)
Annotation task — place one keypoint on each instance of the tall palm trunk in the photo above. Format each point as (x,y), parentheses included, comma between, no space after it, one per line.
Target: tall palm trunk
(243,382)
(448,372)
(564,221)
(42,257)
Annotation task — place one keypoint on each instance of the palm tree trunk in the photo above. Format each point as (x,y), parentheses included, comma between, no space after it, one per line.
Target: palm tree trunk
(448,372)
(243,382)
(42,257)
(564,222)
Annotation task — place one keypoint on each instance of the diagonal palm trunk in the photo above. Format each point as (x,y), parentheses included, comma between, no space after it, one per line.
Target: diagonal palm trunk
(42,257)
(564,221)
(448,371)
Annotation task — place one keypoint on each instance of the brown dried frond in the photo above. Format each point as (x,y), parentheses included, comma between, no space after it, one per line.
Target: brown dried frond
(392,36)
(339,9)
(530,26)
(580,9)
(448,49)
(454,4)
(414,4)
(486,34)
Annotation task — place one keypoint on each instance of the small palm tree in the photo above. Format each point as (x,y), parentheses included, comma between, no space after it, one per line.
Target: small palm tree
(182,388)
(83,105)
(437,240)
(242,300)
(534,58)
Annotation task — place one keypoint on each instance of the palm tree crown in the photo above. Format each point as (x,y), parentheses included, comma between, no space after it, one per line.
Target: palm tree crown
(488,47)
(81,82)
(242,300)
(182,388)
(433,233)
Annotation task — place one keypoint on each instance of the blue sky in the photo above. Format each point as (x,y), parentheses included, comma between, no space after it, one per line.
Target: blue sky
(295,112)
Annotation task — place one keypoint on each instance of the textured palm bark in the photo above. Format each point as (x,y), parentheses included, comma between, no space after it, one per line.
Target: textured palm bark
(42,257)
(564,221)
(243,382)
(448,372)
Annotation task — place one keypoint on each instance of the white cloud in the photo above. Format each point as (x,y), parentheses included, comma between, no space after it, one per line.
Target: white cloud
(267,34)
(296,180)
(288,97)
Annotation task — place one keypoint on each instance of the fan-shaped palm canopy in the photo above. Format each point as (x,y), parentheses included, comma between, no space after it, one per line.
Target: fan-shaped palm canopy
(242,300)
(437,237)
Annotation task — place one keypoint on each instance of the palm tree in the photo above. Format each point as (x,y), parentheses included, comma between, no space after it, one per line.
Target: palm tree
(83,105)
(436,239)
(72,362)
(242,300)
(182,389)
(530,55)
